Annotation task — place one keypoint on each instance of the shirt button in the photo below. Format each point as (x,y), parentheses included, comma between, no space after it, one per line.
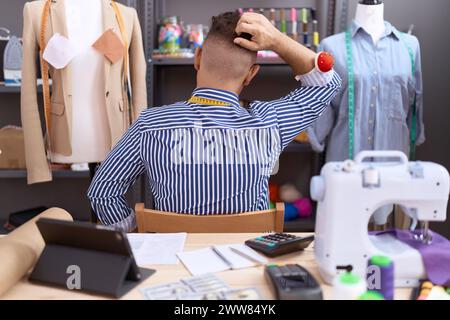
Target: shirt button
(372,105)
(369,138)
(370,121)
(374,88)
(375,73)
(107,94)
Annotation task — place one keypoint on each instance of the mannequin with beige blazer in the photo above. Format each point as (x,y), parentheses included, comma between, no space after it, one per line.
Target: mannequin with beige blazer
(90,107)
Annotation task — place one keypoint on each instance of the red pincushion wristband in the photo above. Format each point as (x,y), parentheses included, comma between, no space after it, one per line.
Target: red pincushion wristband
(324,61)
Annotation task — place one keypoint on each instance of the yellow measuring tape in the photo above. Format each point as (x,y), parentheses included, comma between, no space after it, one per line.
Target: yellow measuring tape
(45,66)
(44,69)
(208,102)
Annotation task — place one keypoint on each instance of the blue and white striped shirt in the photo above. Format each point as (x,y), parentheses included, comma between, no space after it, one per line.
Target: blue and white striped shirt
(207,159)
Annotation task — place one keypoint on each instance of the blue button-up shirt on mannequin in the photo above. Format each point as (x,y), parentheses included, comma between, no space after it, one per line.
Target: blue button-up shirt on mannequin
(384,93)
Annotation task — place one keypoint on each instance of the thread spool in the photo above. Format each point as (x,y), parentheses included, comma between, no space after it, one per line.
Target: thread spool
(371,295)
(386,275)
(272,16)
(290,212)
(348,286)
(304,207)
(274,192)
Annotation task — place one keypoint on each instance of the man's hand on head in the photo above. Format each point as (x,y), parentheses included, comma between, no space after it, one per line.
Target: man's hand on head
(265,36)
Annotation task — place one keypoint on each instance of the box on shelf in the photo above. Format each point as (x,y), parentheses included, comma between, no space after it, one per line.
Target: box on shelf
(12,148)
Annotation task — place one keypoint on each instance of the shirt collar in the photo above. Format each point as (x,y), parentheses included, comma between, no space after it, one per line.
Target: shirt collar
(389,29)
(217,94)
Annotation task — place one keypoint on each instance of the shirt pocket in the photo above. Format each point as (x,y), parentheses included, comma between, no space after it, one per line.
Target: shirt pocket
(57,109)
(394,107)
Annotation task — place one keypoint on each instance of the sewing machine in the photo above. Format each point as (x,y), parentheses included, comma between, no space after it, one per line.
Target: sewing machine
(350,193)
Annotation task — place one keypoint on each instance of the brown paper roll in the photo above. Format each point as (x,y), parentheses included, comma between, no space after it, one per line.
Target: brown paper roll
(20,249)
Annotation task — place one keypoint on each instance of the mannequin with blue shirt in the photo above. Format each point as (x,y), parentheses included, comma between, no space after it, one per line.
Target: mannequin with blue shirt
(381,71)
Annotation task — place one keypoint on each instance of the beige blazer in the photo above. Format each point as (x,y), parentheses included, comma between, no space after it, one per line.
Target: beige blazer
(61,109)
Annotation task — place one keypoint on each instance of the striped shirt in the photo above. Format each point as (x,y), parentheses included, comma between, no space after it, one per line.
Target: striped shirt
(207,159)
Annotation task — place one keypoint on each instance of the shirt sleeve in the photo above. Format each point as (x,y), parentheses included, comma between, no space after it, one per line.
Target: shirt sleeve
(295,112)
(113,179)
(321,128)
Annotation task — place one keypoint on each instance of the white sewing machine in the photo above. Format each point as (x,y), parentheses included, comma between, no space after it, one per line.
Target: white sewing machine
(349,193)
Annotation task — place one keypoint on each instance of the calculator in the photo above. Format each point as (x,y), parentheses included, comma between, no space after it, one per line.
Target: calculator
(277,244)
(292,282)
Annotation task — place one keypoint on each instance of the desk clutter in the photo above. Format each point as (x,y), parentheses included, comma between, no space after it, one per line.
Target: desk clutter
(51,241)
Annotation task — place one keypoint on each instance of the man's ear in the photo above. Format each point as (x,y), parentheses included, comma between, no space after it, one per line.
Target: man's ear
(251,74)
(198,57)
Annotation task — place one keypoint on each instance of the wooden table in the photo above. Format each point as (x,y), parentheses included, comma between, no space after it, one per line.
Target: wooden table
(244,278)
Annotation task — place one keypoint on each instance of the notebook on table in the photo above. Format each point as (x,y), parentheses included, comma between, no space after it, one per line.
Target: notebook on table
(220,258)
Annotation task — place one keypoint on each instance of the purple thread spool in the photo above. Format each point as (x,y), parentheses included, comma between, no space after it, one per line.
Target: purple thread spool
(304,207)
(385,265)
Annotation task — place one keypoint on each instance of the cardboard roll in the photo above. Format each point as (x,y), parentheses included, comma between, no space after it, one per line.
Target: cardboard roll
(20,249)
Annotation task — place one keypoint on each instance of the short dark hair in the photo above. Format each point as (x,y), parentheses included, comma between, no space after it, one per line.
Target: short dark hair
(224,26)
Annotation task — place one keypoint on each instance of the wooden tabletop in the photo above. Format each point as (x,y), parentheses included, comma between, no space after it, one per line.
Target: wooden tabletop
(244,278)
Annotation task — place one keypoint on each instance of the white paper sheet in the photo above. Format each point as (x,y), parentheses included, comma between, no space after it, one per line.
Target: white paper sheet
(59,51)
(149,249)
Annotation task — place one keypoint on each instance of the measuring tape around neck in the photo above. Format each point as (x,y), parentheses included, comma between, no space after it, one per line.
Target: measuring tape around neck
(208,102)
(45,65)
(351,97)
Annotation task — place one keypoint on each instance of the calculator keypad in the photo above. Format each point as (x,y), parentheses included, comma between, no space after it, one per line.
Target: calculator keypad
(278,243)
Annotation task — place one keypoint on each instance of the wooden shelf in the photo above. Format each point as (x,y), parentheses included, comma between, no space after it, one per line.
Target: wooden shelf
(22,174)
(6,89)
(190,61)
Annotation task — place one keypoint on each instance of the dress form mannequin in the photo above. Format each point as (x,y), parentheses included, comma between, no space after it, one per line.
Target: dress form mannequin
(370,15)
(90,130)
